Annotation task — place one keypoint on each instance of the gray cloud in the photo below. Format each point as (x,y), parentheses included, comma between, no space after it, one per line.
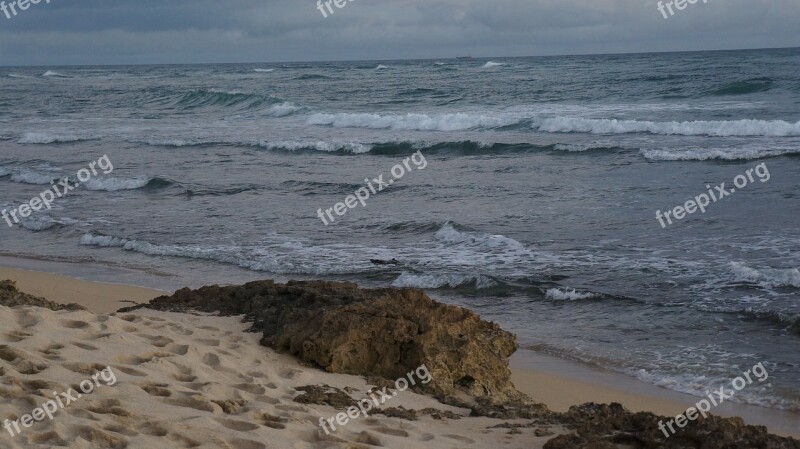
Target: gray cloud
(188,31)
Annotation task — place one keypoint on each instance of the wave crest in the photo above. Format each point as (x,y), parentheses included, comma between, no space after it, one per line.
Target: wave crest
(767,277)
(115,184)
(739,128)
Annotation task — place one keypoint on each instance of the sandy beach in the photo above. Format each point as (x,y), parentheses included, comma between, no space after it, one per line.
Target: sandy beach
(194,380)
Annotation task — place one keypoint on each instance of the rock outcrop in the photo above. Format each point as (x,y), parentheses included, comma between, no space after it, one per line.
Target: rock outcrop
(11,297)
(381,332)
(611,427)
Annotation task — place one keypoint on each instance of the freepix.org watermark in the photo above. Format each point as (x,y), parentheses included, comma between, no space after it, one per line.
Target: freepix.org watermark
(59,401)
(376,185)
(23,5)
(715,398)
(680,5)
(57,190)
(367,404)
(700,202)
(327,4)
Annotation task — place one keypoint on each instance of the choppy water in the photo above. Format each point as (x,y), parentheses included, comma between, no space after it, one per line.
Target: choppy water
(537,207)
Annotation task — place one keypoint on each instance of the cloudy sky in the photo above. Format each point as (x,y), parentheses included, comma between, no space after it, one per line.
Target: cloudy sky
(198,31)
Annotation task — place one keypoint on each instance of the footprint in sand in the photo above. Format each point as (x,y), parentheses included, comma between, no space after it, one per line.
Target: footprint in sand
(122,430)
(196,402)
(141,359)
(154,389)
(460,438)
(251,388)
(49,439)
(240,426)
(288,373)
(390,431)
(177,349)
(265,419)
(157,340)
(98,438)
(26,319)
(211,360)
(208,341)
(17,336)
(73,324)
(87,369)
(152,429)
(246,444)
(368,438)
(85,346)
(130,371)
(20,361)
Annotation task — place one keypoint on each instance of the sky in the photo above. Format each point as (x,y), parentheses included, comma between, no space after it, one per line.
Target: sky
(79,32)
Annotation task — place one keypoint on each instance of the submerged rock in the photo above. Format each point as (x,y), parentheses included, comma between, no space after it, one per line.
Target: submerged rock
(383,332)
(11,297)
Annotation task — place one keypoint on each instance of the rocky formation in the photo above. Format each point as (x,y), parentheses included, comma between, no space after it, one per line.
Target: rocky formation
(611,427)
(11,297)
(384,332)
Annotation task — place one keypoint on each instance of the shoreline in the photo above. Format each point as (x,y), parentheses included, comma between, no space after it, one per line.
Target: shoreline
(555,382)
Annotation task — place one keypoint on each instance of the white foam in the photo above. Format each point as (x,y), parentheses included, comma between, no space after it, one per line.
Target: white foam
(43,138)
(381,67)
(284,109)
(449,234)
(171,142)
(40,223)
(287,145)
(33,177)
(728,154)
(418,122)
(491,64)
(577,148)
(114,184)
(433,281)
(54,73)
(741,128)
(767,277)
(263,70)
(559,294)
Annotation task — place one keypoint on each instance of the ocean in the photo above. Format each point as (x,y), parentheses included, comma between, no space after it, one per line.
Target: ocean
(537,207)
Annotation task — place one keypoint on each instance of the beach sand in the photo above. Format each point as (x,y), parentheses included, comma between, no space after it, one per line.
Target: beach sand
(187,380)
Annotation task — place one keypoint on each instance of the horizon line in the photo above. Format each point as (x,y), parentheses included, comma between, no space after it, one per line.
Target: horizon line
(406,59)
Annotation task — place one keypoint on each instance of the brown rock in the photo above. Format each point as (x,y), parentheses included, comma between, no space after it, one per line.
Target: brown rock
(324,395)
(11,297)
(606,426)
(383,332)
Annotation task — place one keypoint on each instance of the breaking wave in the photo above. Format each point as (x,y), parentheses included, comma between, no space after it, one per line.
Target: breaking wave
(417,122)
(565,294)
(44,138)
(741,128)
(435,281)
(705,154)
(767,277)
(114,184)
